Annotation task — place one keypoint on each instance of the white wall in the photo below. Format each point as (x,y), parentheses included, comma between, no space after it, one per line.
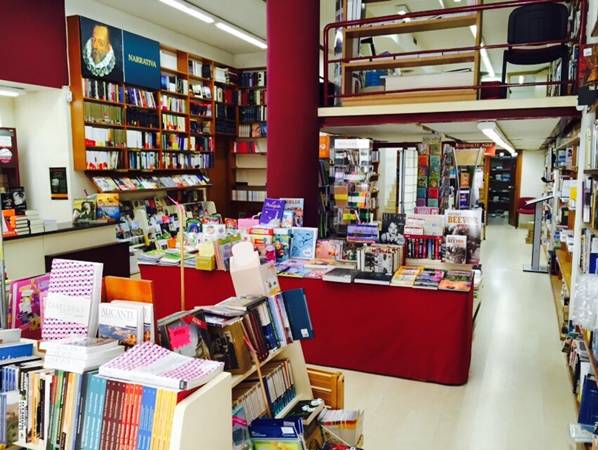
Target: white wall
(7,112)
(44,131)
(117,18)
(531,173)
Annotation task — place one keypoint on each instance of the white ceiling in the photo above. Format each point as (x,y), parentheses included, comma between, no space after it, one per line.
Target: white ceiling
(249,15)
(524,134)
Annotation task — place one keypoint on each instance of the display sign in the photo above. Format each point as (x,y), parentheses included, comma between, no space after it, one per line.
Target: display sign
(101,50)
(141,61)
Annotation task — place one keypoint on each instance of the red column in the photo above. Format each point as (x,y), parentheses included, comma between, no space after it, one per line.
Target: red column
(293,54)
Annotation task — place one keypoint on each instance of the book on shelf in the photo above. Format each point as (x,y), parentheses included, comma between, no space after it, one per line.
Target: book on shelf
(174,83)
(103,160)
(173,122)
(279,383)
(185,333)
(373,278)
(140,98)
(406,276)
(104,137)
(26,297)
(122,322)
(173,104)
(102,90)
(151,364)
(383,258)
(103,114)
(429,279)
(457,280)
(456,249)
(71,306)
(340,275)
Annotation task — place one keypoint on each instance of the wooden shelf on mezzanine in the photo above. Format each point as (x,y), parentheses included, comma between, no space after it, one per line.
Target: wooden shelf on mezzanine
(565,266)
(442,111)
(391,63)
(414,26)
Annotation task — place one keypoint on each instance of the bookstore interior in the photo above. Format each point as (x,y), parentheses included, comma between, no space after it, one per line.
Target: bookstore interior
(254,225)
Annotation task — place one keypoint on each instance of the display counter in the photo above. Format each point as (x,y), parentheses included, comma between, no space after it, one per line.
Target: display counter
(418,334)
(25,255)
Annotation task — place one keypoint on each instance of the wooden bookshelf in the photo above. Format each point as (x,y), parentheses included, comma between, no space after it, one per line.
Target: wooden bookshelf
(565,266)
(147,119)
(353,34)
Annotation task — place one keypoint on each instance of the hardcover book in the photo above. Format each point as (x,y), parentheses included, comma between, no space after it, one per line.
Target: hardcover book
(272,212)
(295,206)
(123,323)
(457,280)
(456,249)
(329,249)
(373,278)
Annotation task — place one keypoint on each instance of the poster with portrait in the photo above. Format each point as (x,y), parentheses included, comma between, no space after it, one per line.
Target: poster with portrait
(58,184)
(101,50)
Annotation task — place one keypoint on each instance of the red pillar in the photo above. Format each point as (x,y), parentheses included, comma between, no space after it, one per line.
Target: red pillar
(292,98)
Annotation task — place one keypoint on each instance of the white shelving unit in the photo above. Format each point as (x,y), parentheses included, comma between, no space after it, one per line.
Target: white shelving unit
(204,419)
(205,416)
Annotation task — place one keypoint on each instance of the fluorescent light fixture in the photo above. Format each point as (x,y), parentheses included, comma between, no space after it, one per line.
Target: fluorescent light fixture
(7,93)
(493,132)
(484,54)
(402,12)
(521,79)
(242,35)
(189,9)
(441,3)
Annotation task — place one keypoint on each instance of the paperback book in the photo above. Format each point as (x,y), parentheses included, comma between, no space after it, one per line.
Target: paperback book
(456,249)
(123,323)
(272,212)
(406,276)
(466,223)
(428,279)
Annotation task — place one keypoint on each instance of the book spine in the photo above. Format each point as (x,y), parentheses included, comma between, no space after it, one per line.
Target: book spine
(104,419)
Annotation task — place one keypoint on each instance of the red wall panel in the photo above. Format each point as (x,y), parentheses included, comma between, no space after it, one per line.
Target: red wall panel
(33,42)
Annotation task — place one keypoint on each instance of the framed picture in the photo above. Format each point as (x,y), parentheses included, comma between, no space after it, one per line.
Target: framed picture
(303,243)
(58,184)
(101,50)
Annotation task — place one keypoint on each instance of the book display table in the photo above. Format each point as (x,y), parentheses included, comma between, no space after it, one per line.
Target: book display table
(417,334)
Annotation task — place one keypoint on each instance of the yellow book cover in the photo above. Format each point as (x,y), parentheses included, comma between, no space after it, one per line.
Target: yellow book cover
(158,414)
(171,400)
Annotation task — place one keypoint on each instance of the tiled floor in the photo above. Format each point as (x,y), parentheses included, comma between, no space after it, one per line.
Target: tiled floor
(518,394)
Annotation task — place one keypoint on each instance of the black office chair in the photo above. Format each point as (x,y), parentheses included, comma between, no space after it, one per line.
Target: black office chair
(538,23)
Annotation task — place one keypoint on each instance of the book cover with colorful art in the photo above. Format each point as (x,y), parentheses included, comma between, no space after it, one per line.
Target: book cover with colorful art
(272,212)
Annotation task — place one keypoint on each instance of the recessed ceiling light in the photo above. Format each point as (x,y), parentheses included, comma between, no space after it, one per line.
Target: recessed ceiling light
(242,35)
(189,9)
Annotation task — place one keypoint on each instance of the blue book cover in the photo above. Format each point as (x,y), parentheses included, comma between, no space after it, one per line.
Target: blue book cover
(16,350)
(588,408)
(272,212)
(297,310)
(90,392)
(593,263)
(146,419)
(97,413)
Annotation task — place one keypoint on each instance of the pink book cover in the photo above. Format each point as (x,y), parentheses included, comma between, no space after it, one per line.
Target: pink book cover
(77,279)
(25,308)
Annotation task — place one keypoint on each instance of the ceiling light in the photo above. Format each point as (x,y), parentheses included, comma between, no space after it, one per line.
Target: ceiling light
(493,132)
(242,35)
(7,93)
(189,9)
(402,12)
(521,79)
(441,3)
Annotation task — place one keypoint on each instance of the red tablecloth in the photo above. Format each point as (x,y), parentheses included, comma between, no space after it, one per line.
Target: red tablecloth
(410,333)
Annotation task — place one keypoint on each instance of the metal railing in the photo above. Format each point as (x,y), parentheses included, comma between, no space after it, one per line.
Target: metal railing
(362,24)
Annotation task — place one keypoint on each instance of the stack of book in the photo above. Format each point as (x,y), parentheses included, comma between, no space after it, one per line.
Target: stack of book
(80,355)
(36,224)
(22,226)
